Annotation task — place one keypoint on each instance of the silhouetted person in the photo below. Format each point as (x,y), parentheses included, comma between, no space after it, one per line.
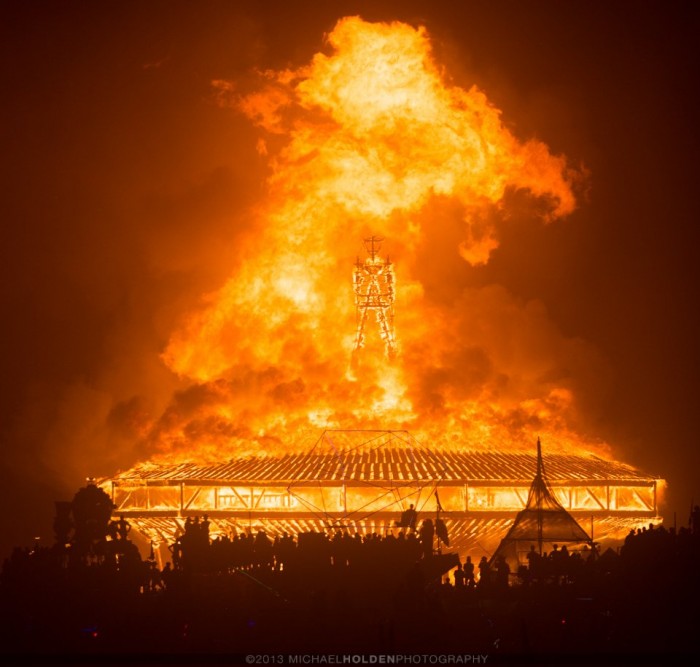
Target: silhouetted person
(469,573)
(534,562)
(409,518)
(262,550)
(502,572)
(556,562)
(167,575)
(177,551)
(484,572)
(427,533)
(459,576)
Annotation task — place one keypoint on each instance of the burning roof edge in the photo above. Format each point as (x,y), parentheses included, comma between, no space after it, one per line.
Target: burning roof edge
(390,463)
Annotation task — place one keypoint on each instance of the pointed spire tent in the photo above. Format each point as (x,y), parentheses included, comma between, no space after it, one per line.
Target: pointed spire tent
(543,521)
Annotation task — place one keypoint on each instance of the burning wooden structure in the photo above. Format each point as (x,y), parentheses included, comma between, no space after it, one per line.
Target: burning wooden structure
(343,485)
(373,284)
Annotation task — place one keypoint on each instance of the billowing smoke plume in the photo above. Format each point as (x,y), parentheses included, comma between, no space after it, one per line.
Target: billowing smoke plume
(371,139)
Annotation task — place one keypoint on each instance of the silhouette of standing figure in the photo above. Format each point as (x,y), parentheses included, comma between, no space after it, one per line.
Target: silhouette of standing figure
(408,519)
(484,571)
(426,534)
(502,572)
(459,576)
(469,573)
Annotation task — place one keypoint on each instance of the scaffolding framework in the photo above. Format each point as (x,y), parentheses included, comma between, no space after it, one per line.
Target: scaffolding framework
(365,488)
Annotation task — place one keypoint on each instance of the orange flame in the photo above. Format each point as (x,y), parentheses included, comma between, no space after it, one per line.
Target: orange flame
(372,139)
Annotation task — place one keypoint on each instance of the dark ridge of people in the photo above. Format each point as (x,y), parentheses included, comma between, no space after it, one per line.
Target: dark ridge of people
(93,593)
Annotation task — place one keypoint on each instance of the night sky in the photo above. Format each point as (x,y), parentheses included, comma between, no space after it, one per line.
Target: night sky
(125,187)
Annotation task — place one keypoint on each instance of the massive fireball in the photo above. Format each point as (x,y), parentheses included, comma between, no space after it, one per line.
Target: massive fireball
(371,139)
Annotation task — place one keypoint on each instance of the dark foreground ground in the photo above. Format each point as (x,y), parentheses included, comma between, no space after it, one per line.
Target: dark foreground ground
(221,619)
(638,607)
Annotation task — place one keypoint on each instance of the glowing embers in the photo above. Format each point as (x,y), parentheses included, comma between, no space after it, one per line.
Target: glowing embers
(373,283)
(368,475)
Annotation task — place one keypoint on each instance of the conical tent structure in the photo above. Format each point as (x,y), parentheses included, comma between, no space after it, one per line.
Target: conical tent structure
(543,521)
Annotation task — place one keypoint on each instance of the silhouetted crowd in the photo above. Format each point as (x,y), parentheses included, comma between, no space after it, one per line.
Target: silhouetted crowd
(92,593)
(255,551)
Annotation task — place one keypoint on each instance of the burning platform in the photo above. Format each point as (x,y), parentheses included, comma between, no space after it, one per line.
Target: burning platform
(361,481)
